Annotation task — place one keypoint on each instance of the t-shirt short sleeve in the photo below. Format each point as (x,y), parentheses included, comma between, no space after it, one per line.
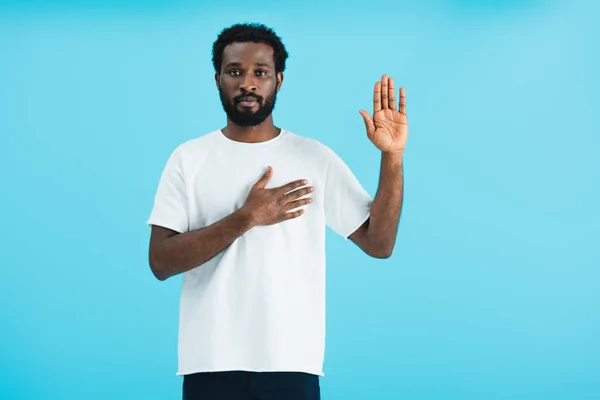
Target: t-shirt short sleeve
(347,203)
(171,203)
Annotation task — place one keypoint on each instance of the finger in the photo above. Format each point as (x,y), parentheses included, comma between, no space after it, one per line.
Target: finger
(292,185)
(262,182)
(297,203)
(384,92)
(402,100)
(368,123)
(391,95)
(292,215)
(296,194)
(377,97)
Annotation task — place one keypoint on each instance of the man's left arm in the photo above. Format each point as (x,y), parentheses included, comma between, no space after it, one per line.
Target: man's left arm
(388,130)
(377,236)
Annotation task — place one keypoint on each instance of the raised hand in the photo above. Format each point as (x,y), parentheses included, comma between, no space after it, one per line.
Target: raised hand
(271,206)
(388,128)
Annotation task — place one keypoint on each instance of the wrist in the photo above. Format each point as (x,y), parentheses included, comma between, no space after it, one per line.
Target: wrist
(395,155)
(245,219)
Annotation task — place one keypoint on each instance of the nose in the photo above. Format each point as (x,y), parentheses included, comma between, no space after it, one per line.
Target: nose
(248,84)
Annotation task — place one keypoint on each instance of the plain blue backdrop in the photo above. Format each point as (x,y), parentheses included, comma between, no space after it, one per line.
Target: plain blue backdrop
(493,291)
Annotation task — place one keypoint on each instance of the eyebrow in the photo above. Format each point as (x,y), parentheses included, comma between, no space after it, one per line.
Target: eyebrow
(237,64)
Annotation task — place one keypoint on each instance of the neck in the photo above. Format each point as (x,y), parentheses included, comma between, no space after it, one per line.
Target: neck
(251,134)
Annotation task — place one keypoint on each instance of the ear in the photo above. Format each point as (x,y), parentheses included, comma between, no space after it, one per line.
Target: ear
(279,80)
(217,81)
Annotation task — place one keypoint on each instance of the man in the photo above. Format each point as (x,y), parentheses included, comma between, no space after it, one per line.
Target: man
(242,211)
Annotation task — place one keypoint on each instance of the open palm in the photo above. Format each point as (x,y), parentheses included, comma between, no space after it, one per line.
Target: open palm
(388,128)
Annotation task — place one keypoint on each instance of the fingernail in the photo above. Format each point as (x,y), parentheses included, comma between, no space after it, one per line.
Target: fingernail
(305,181)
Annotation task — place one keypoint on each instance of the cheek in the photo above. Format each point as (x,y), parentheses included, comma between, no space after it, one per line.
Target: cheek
(269,86)
(227,84)
(226,89)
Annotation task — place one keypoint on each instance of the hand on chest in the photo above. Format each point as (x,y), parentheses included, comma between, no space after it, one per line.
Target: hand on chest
(222,186)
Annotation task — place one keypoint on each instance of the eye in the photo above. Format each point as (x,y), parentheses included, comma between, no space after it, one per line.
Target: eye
(261,72)
(234,72)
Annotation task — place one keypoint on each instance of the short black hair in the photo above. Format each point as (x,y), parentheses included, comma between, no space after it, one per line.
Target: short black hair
(252,32)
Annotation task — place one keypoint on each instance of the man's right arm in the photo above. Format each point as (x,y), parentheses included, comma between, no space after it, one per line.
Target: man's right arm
(172,253)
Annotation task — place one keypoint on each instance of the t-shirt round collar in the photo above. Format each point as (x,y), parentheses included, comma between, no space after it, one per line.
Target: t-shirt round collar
(249,146)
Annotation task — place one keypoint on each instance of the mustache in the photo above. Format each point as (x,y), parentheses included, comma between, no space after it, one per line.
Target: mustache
(246,97)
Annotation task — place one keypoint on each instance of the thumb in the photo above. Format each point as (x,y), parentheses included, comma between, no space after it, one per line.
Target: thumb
(262,182)
(368,122)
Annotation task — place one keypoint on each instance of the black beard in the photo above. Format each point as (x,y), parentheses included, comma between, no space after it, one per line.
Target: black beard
(248,118)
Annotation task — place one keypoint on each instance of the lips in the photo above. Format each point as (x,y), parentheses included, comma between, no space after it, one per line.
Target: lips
(247,101)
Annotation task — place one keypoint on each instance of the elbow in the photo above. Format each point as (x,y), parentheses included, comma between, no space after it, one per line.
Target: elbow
(160,275)
(380,251)
(380,246)
(381,254)
(157,269)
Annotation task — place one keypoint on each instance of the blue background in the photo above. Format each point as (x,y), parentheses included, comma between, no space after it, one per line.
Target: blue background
(493,291)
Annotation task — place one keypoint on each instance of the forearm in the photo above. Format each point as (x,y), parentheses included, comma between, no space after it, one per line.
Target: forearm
(387,205)
(182,252)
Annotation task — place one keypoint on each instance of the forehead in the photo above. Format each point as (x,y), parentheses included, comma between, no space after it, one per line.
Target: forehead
(248,53)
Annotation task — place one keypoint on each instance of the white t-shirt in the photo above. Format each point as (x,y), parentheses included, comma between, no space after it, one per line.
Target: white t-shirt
(259,305)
